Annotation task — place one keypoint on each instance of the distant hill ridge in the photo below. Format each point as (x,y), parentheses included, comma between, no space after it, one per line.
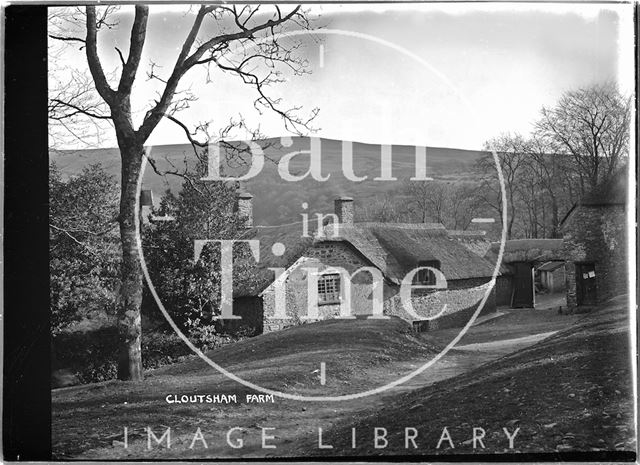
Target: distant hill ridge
(277,201)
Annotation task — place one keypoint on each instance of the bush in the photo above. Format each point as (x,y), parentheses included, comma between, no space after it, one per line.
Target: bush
(84,247)
(88,355)
(209,337)
(159,348)
(91,356)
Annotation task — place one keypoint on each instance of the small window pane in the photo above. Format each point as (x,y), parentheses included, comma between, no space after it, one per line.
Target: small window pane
(426,277)
(329,288)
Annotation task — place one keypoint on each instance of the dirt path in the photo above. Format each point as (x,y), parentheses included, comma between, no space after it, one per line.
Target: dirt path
(506,345)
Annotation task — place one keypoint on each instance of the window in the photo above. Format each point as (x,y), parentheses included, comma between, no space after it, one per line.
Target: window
(426,277)
(329,289)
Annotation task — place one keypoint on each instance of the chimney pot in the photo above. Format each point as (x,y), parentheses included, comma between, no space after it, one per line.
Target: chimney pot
(343,207)
(146,198)
(245,208)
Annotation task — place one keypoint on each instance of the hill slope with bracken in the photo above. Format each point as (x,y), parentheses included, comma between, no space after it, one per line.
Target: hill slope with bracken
(277,201)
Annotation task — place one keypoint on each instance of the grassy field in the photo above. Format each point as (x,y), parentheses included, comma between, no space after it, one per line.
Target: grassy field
(569,393)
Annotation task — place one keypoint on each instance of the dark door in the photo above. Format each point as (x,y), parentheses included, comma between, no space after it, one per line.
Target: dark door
(523,285)
(586,292)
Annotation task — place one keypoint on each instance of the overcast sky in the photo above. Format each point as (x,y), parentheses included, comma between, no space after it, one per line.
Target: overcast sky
(445,75)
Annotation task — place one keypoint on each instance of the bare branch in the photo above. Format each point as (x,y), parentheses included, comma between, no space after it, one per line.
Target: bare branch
(102,86)
(68,39)
(77,110)
(138,34)
(121,57)
(73,238)
(186,62)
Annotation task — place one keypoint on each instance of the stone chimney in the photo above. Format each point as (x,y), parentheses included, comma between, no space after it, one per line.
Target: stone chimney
(343,207)
(146,205)
(245,208)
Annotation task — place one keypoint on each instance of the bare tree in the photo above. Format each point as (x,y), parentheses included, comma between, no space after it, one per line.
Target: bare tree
(429,199)
(383,208)
(591,125)
(453,205)
(464,205)
(246,42)
(511,150)
(555,179)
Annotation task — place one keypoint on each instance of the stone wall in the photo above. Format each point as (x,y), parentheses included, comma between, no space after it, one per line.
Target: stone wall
(461,299)
(597,234)
(461,295)
(321,257)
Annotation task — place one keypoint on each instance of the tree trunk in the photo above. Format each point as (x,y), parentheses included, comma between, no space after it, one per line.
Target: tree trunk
(129,319)
(512,216)
(555,220)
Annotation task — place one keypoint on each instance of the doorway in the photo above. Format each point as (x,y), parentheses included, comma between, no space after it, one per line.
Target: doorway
(586,290)
(523,290)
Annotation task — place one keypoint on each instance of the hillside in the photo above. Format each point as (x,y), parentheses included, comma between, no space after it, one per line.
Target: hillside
(568,394)
(277,201)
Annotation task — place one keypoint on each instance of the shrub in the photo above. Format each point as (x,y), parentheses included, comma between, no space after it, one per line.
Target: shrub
(84,250)
(88,355)
(91,356)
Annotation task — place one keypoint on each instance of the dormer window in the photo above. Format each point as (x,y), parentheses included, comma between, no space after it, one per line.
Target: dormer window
(426,277)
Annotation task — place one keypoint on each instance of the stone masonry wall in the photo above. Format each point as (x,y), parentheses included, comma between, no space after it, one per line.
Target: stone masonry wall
(322,256)
(461,294)
(462,298)
(597,234)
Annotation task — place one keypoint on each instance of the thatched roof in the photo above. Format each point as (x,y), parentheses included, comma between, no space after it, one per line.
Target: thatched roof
(475,241)
(529,250)
(492,257)
(396,249)
(259,274)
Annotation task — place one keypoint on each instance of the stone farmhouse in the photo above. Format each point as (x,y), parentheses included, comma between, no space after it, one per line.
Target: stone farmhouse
(456,281)
(595,247)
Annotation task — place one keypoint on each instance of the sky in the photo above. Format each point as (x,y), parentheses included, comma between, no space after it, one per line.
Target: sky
(447,75)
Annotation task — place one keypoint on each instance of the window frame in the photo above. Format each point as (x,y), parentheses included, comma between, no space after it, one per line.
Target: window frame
(432,279)
(326,297)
